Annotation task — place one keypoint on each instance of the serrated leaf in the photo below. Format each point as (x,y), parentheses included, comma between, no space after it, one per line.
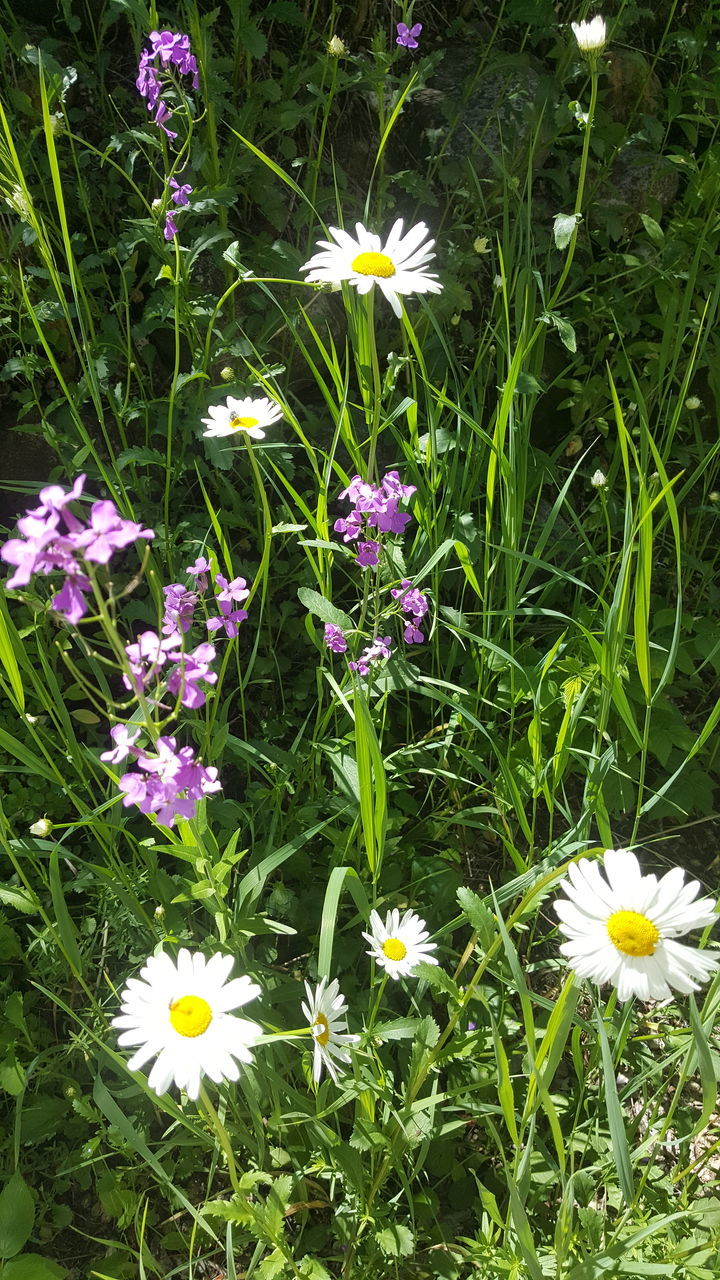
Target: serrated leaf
(17,1215)
(20,899)
(323,609)
(481,917)
(565,331)
(397,1241)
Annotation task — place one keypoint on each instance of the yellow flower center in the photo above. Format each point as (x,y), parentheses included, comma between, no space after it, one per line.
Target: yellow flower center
(394,949)
(632,933)
(323,1035)
(190,1016)
(243,424)
(373,264)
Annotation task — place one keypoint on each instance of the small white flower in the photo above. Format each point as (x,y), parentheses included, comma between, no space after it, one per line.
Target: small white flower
(326,1011)
(181,1014)
(399,945)
(42,827)
(337,47)
(622,930)
(598,479)
(591,36)
(397,267)
(241,415)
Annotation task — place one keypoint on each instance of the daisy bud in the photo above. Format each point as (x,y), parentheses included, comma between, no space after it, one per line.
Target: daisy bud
(337,48)
(42,828)
(227,374)
(591,36)
(692,403)
(598,480)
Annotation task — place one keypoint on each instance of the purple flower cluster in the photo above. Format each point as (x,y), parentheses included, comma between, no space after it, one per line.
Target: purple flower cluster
(168,783)
(376,507)
(148,655)
(412,601)
(179,196)
(335,638)
(380,648)
(181,602)
(55,539)
(167,49)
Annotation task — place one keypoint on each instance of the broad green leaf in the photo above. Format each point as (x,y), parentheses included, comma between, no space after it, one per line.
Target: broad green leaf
(17,1215)
(323,609)
(396,1241)
(31,1266)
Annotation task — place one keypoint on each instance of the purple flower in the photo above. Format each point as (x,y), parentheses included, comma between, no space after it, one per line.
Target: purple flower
(335,638)
(350,528)
(180,605)
(170,229)
(407,36)
(170,784)
(200,570)
(124,739)
(190,669)
(368,555)
(375,506)
(180,193)
(412,634)
(375,652)
(173,49)
(55,539)
(70,600)
(147,656)
(108,532)
(148,80)
(230,593)
(162,115)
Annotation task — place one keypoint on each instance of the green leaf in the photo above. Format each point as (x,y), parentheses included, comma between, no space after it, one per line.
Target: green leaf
(565,331)
(480,916)
(17,1215)
(620,1149)
(564,228)
(323,609)
(397,1241)
(65,926)
(31,1266)
(653,228)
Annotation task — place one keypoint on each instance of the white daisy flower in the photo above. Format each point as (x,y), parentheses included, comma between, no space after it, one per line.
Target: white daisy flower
(242,415)
(181,1013)
(591,36)
(326,1011)
(399,945)
(622,930)
(397,266)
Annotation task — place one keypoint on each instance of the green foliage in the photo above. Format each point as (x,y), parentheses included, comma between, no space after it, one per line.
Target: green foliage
(496,1117)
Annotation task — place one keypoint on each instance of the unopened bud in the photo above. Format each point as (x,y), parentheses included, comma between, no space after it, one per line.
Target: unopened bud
(598,480)
(337,48)
(692,403)
(227,374)
(42,828)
